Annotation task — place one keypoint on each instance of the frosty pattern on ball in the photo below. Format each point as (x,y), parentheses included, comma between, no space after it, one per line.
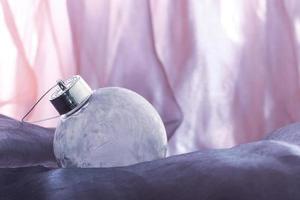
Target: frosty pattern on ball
(117,127)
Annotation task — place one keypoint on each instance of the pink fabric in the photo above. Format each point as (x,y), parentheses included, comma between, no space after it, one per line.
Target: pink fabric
(220,73)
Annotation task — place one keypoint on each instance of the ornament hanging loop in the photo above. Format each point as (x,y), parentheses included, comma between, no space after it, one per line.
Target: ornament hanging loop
(61,84)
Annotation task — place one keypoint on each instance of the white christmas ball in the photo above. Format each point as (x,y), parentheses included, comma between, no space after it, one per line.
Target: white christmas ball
(117,127)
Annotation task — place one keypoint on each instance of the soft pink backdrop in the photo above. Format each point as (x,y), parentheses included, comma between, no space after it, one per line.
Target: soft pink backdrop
(220,73)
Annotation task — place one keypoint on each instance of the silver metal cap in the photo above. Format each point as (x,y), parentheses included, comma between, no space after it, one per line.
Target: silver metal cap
(70,95)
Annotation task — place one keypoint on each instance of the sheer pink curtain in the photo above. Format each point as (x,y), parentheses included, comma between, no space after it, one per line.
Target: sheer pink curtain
(220,73)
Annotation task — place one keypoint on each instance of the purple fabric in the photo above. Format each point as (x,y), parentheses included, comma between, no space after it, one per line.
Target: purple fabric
(24,144)
(262,170)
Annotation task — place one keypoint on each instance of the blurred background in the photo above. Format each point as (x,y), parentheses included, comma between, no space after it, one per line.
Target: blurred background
(220,73)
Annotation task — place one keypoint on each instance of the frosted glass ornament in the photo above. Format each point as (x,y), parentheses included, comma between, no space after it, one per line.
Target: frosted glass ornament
(105,128)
